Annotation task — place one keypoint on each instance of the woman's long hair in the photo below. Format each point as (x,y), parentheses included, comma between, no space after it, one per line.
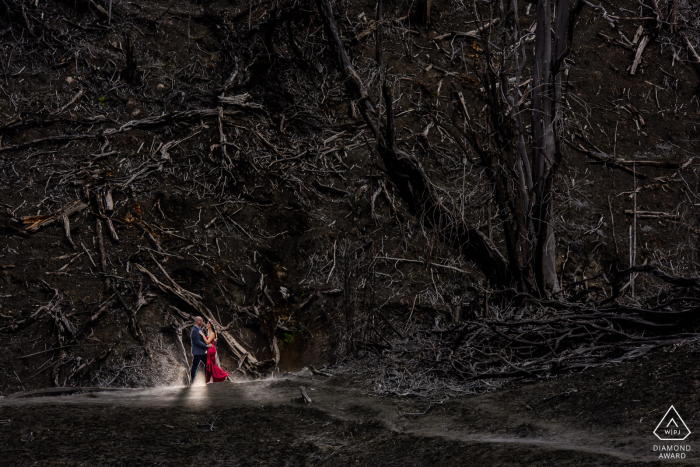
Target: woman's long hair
(213,329)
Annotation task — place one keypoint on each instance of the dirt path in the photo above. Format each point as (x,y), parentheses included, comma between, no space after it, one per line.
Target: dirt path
(255,423)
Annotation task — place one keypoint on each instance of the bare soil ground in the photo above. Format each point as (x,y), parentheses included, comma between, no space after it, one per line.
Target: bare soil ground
(602,417)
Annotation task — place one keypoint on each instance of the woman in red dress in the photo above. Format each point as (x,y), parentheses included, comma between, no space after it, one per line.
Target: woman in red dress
(214,374)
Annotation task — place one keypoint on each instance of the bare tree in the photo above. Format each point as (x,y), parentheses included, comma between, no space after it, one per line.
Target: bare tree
(408,175)
(520,160)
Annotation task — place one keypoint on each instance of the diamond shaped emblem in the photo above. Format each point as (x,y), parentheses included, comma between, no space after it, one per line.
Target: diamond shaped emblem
(672,427)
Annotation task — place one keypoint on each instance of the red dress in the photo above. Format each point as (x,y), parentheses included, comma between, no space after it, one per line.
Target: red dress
(213,372)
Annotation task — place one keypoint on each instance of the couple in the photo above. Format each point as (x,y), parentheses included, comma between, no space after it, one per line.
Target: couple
(203,349)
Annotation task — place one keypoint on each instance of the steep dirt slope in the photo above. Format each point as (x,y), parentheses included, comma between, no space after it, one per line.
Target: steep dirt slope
(273,197)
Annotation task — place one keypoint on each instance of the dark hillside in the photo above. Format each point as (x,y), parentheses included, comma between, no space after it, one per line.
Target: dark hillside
(187,158)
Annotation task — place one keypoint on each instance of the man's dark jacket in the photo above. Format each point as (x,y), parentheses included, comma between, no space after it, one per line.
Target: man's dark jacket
(199,347)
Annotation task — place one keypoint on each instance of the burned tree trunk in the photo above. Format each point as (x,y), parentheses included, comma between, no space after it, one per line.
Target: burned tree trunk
(522,182)
(130,70)
(523,179)
(546,116)
(408,175)
(424,11)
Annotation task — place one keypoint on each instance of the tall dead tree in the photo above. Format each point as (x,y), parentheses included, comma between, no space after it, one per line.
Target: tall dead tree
(522,159)
(408,175)
(521,178)
(546,118)
(130,70)
(424,11)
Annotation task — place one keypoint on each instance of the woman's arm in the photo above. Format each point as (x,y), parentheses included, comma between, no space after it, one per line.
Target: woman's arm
(207,340)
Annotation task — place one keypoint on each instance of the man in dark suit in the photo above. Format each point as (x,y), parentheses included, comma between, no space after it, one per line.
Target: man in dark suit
(199,347)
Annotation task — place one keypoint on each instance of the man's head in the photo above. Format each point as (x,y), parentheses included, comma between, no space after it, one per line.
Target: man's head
(198,321)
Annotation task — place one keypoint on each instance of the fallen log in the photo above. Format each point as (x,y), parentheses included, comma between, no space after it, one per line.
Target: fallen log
(149,236)
(66,230)
(304,399)
(316,372)
(35,223)
(242,100)
(638,56)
